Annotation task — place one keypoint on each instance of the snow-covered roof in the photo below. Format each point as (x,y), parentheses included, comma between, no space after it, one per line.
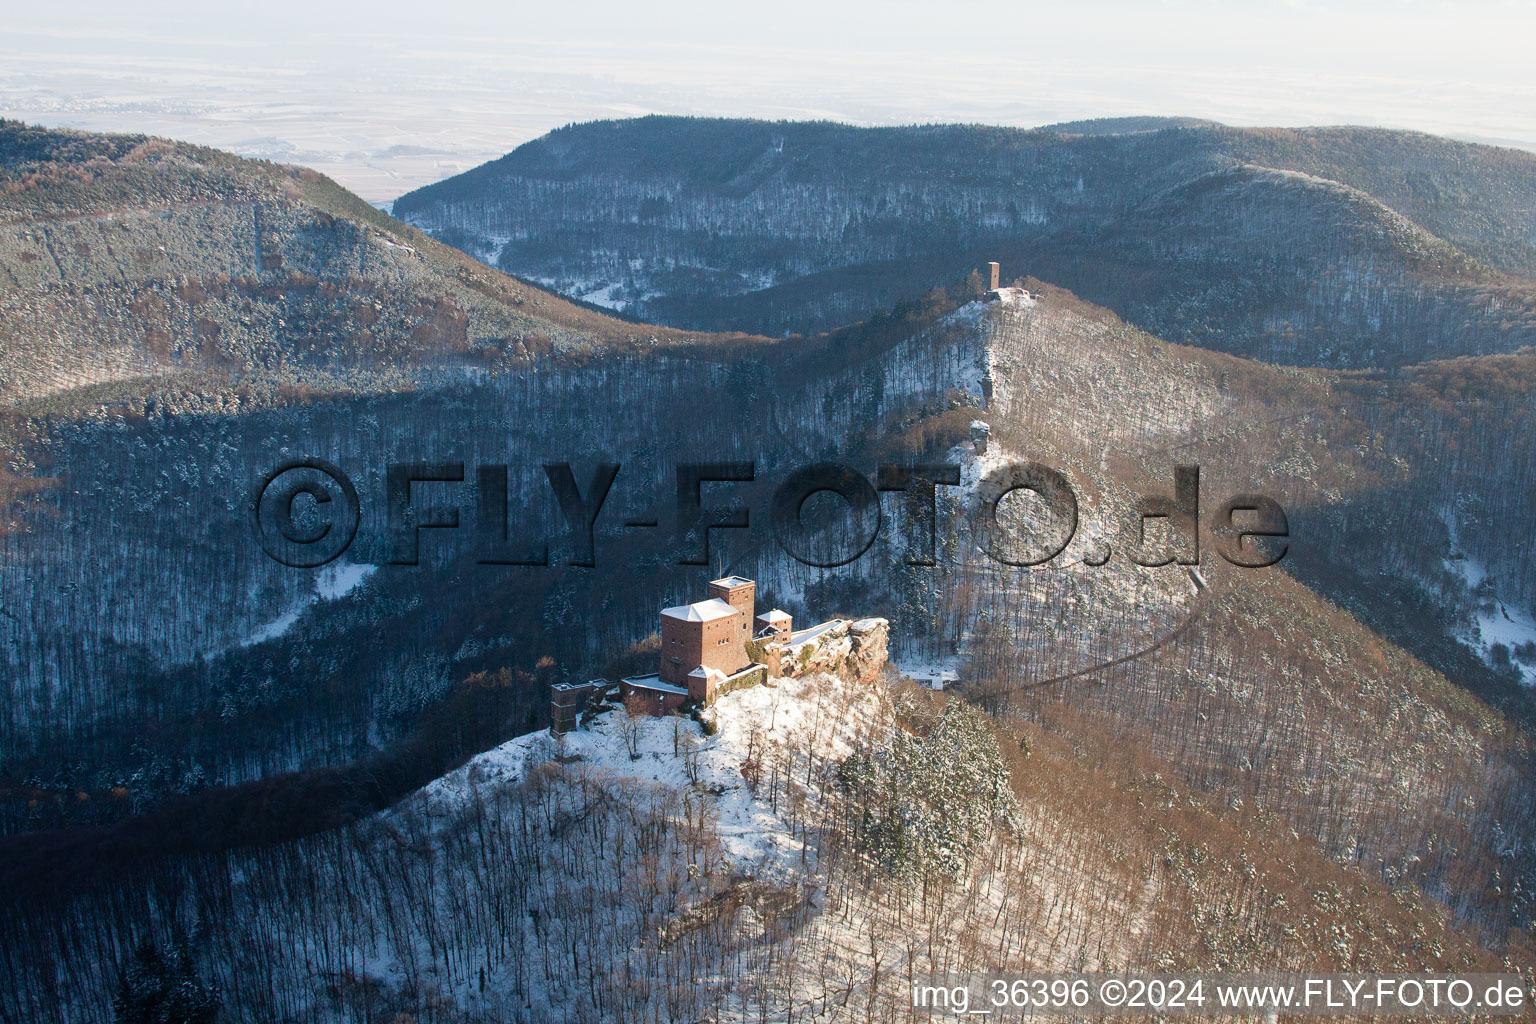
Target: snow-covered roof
(802,635)
(777,615)
(731,581)
(700,611)
(653,683)
(704,672)
(581,686)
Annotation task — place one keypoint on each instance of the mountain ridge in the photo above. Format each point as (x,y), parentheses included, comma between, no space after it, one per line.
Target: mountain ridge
(146,293)
(184,716)
(664,217)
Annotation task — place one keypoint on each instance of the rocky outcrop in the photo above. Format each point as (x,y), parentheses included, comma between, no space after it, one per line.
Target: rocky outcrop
(854,649)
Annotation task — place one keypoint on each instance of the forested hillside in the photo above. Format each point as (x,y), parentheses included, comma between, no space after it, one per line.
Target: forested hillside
(1324,764)
(639,869)
(177,322)
(143,273)
(1330,246)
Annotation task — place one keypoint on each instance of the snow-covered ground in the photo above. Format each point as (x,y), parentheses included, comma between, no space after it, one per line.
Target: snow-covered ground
(928,669)
(817,712)
(332,583)
(1494,622)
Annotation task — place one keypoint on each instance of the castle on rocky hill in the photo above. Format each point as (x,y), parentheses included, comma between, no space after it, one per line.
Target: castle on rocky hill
(704,645)
(705,654)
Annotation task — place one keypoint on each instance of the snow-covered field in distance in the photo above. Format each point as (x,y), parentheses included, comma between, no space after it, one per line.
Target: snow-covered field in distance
(398,102)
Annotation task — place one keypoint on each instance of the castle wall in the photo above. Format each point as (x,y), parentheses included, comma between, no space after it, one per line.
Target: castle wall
(682,645)
(719,643)
(781,629)
(567,701)
(742,597)
(640,700)
(725,644)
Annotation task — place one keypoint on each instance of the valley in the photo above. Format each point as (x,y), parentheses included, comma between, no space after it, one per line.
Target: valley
(338,783)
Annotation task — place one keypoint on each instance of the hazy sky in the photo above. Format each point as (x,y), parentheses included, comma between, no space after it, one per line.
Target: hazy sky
(388,96)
